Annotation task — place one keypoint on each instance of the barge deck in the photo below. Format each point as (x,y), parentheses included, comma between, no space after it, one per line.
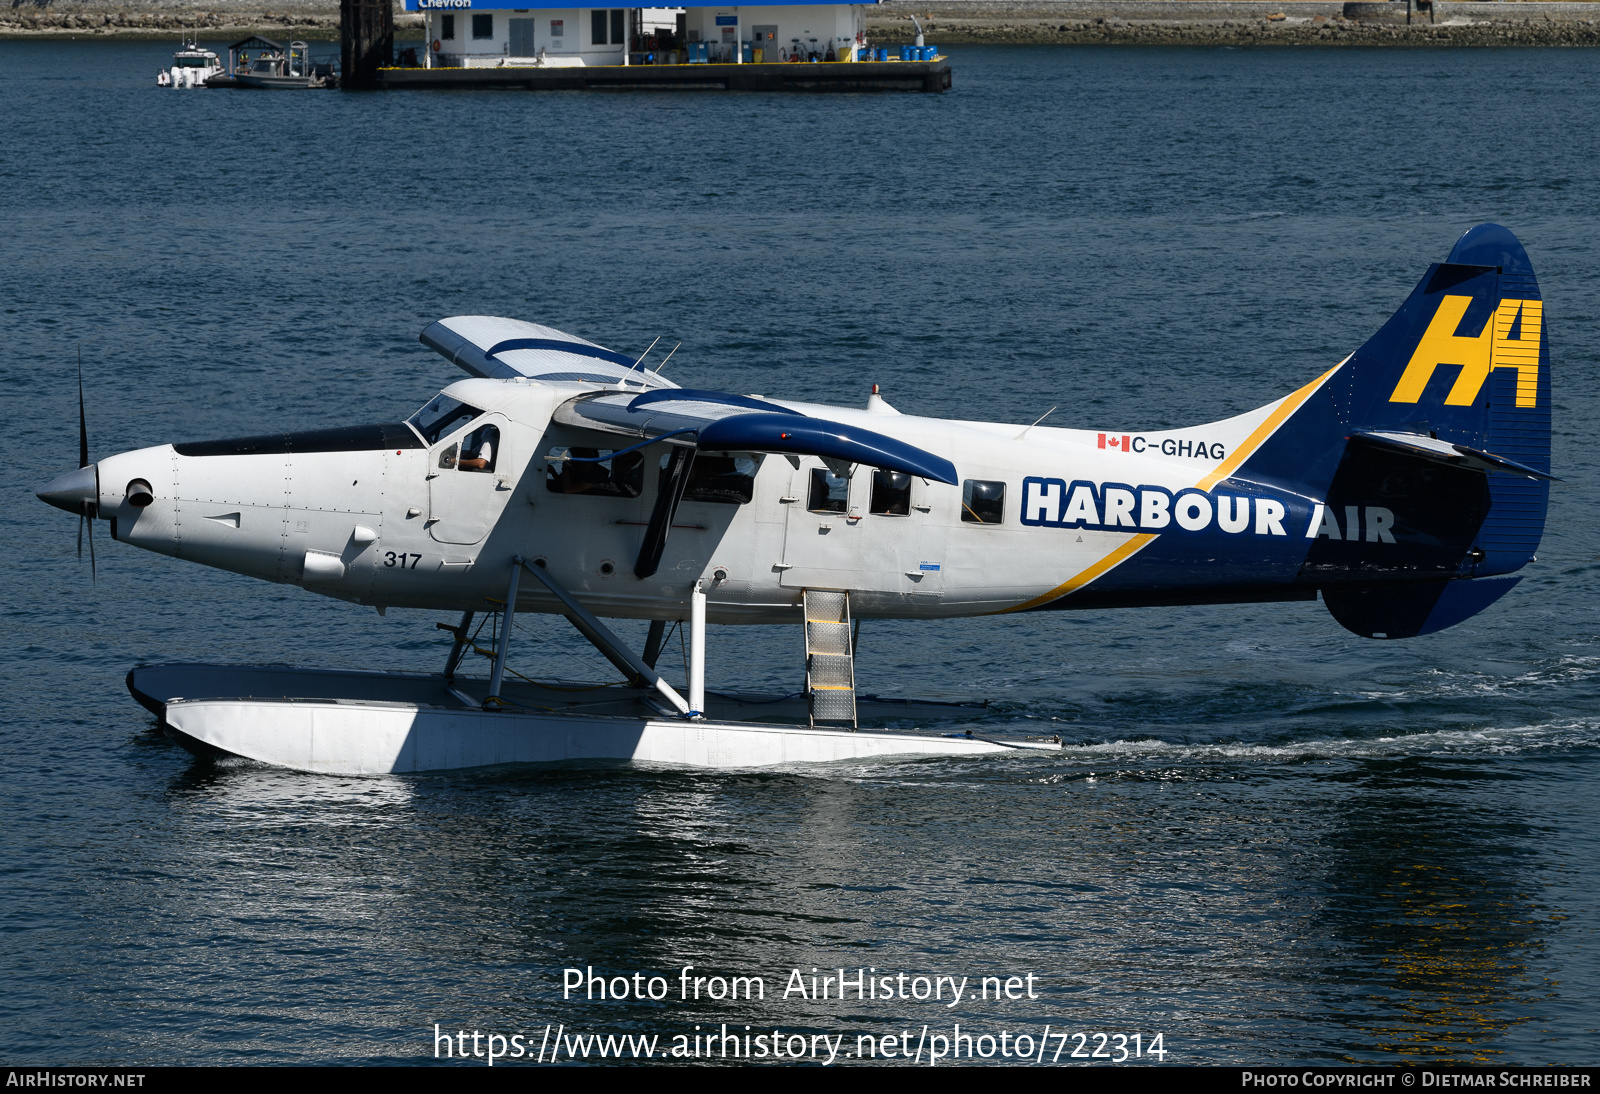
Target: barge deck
(931,75)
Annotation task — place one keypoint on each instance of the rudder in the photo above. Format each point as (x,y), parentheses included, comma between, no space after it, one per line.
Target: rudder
(1447,411)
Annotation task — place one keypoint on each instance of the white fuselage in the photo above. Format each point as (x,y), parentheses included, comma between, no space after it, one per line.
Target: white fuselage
(394,528)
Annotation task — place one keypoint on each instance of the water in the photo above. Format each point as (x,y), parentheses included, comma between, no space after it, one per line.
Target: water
(1269,840)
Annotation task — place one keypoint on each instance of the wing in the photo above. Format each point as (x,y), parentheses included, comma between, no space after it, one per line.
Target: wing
(715,421)
(487,345)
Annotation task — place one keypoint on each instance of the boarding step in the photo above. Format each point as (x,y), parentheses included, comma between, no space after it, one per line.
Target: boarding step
(830,657)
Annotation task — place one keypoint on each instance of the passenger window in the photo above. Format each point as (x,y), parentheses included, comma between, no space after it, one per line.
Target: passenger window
(891,493)
(447,458)
(983,502)
(577,471)
(830,493)
(479,449)
(727,479)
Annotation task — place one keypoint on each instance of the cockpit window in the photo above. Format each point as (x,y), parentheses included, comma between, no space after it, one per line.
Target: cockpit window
(442,416)
(479,448)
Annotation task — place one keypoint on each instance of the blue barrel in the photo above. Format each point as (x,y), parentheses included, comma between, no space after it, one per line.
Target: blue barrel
(905,53)
(933,51)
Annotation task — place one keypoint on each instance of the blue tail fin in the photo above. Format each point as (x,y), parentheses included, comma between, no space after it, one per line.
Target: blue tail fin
(1447,414)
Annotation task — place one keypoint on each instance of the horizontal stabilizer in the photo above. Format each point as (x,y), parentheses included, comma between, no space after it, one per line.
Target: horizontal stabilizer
(1458,455)
(504,349)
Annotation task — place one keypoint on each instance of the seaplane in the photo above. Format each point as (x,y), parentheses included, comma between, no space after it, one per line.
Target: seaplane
(1406,487)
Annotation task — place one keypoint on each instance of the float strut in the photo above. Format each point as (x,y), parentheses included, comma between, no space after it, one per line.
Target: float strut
(453,662)
(589,625)
(492,701)
(652,642)
(697,651)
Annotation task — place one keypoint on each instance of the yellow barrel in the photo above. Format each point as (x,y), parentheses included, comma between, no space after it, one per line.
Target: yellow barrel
(757,56)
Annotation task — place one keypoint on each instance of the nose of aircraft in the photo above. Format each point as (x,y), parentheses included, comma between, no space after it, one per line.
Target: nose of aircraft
(72,491)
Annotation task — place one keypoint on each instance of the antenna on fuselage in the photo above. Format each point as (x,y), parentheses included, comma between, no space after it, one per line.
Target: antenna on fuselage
(1036,421)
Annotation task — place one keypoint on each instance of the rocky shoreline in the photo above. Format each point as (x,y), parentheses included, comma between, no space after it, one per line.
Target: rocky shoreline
(316,21)
(1314,31)
(945,22)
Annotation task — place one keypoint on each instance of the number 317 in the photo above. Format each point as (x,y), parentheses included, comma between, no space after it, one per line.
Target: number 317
(401,560)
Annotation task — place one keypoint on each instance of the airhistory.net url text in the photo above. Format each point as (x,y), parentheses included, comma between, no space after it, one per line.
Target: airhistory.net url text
(912,1046)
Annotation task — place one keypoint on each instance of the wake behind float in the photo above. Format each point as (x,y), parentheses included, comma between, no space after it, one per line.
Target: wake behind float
(482,44)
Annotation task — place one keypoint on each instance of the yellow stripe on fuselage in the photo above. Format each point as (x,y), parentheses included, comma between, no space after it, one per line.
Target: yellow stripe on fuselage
(1134,544)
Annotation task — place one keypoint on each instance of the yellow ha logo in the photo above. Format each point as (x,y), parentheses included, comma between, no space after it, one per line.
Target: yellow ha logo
(1476,356)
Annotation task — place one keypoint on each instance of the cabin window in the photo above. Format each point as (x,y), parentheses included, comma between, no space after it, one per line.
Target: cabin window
(616,26)
(730,480)
(830,493)
(442,416)
(891,493)
(983,502)
(483,26)
(576,471)
(447,27)
(479,449)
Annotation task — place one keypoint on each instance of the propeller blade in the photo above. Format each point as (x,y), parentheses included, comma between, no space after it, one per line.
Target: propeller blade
(83,421)
(87,516)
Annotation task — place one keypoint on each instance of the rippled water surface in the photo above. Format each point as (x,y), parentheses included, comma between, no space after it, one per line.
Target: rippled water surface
(1268,839)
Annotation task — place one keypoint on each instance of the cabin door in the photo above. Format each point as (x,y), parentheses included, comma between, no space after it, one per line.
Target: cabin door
(522,38)
(866,533)
(465,492)
(821,543)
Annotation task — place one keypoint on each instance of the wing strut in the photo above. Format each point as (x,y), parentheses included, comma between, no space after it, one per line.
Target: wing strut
(680,461)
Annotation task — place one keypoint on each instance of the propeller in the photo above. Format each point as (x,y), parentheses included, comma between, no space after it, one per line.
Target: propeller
(83,461)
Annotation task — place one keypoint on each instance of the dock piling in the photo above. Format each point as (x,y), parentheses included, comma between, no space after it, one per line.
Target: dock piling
(366,41)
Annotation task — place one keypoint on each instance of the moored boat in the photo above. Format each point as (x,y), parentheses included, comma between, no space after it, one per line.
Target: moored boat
(274,67)
(191,67)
